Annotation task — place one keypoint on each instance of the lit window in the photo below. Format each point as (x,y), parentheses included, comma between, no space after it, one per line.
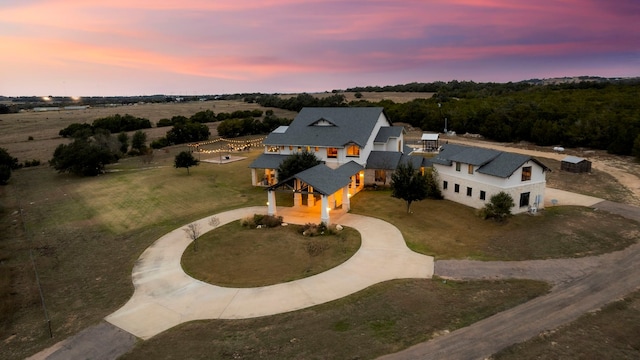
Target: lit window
(353,150)
(470,169)
(526,173)
(317,149)
(332,152)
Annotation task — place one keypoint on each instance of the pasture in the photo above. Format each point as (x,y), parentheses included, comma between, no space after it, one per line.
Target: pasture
(85,234)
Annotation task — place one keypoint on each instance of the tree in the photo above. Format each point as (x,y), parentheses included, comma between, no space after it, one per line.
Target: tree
(139,141)
(123,138)
(183,132)
(408,184)
(296,163)
(499,207)
(5,174)
(185,160)
(84,156)
(193,232)
(433,184)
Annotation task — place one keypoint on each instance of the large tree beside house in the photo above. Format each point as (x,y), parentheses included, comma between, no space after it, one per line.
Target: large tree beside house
(409,184)
(296,163)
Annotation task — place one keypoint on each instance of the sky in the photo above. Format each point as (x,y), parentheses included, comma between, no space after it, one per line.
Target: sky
(197,47)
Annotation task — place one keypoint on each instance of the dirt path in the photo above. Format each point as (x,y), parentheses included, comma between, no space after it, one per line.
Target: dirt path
(610,277)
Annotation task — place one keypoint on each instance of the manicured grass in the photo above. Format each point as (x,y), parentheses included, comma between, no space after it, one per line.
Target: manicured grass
(382,319)
(610,333)
(448,230)
(235,256)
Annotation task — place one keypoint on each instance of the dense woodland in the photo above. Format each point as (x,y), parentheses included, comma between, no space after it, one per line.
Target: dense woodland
(593,114)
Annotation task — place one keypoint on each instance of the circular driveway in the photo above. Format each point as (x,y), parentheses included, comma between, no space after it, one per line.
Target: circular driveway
(166,296)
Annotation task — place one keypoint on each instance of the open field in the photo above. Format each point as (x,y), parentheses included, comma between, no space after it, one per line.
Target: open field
(15,129)
(86,234)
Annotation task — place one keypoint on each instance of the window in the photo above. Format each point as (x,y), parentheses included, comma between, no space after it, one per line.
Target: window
(524,199)
(526,173)
(332,152)
(380,176)
(290,147)
(470,169)
(445,185)
(469,191)
(308,148)
(353,150)
(457,166)
(483,195)
(317,149)
(456,188)
(299,148)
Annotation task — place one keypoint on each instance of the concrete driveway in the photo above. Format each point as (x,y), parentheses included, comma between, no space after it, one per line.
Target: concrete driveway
(165,296)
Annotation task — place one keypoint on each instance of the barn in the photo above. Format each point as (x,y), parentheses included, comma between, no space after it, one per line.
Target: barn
(575,164)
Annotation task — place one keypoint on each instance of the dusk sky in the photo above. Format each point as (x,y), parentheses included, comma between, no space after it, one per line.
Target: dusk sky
(192,47)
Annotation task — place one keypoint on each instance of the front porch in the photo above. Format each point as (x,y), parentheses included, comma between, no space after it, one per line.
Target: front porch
(319,190)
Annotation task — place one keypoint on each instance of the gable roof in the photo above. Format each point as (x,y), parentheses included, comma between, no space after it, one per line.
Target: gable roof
(387,132)
(324,179)
(337,127)
(389,160)
(490,162)
(573,159)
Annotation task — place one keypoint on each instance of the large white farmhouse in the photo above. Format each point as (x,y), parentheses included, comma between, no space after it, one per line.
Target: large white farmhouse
(471,175)
(357,146)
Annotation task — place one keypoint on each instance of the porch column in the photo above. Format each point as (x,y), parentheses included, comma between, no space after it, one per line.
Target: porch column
(346,201)
(324,210)
(254,178)
(297,197)
(271,202)
(352,188)
(311,200)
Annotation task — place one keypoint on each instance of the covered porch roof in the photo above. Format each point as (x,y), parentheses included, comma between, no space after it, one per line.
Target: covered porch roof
(323,179)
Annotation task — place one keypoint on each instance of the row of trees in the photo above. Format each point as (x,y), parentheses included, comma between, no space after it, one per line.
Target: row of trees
(296,103)
(606,118)
(208,116)
(114,124)
(250,125)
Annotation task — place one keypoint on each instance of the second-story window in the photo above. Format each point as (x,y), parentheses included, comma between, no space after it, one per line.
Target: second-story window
(457,166)
(353,150)
(332,152)
(470,169)
(526,173)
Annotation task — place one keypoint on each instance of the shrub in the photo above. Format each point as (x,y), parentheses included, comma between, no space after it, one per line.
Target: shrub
(269,221)
(160,143)
(30,138)
(498,208)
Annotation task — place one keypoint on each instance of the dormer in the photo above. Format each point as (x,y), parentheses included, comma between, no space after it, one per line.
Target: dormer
(323,122)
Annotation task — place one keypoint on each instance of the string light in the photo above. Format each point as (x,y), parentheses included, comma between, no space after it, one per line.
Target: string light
(240,145)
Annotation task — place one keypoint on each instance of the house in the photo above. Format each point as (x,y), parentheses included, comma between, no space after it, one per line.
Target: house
(471,175)
(575,164)
(357,146)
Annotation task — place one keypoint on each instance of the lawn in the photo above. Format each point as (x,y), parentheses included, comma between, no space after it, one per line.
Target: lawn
(236,256)
(448,230)
(382,319)
(85,235)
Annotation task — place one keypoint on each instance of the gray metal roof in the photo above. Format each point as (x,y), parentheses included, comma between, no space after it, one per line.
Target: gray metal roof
(324,179)
(491,162)
(573,159)
(387,132)
(268,161)
(343,125)
(387,160)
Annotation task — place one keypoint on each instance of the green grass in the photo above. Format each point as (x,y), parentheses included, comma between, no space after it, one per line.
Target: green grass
(382,319)
(87,233)
(448,230)
(235,256)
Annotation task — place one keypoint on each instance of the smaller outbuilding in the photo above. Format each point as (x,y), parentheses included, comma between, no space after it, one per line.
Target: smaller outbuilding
(430,142)
(575,164)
